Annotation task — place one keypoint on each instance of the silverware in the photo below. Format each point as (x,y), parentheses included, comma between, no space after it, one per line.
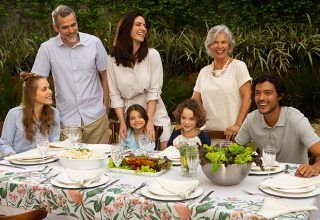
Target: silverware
(113,182)
(48,178)
(139,187)
(43,169)
(11,165)
(206,196)
(286,170)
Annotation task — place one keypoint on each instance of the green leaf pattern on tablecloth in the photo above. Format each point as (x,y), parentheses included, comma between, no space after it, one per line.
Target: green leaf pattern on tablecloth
(116,202)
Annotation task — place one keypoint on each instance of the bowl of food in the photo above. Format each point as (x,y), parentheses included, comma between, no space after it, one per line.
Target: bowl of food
(81,159)
(227,174)
(226,165)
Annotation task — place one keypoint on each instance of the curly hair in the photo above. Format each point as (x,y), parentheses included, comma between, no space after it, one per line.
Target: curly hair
(198,112)
(47,116)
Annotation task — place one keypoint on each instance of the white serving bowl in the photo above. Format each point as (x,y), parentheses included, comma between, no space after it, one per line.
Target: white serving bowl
(82,164)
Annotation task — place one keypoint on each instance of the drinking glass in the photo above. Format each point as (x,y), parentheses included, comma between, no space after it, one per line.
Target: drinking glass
(144,142)
(186,148)
(192,161)
(42,144)
(117,154)
(73,135)
(269,157)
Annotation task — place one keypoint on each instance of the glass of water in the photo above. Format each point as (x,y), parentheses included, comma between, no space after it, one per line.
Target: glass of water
(269,157)
(42,145)
(73,135)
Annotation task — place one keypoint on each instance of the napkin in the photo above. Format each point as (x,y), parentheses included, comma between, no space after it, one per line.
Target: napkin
(274,207)
(287,181)
(171,152)
(28,155)
(83,177)
(180,188)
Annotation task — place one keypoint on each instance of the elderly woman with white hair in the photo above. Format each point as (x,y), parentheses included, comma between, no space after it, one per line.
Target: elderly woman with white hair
(224,86)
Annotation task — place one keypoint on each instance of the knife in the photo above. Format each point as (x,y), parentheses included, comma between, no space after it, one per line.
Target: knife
(206,196)
(11,165)
(113,182)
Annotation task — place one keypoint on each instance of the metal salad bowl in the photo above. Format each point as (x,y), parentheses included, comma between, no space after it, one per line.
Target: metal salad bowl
(227,174)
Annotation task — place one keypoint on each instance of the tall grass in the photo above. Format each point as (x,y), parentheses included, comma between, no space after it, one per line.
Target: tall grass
(291,51)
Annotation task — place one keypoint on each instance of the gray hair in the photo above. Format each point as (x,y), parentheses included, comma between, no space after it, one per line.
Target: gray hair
(62,11)
(212,36)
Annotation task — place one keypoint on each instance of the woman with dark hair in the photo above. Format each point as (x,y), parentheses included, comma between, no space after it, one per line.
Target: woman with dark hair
(32,117)
(136,121)
(135,76)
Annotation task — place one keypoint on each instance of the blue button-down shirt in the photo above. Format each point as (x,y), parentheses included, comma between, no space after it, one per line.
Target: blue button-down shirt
(78,89)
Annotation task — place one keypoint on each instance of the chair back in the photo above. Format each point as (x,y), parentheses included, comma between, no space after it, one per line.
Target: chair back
(37,214)
(216,134)
(114,128)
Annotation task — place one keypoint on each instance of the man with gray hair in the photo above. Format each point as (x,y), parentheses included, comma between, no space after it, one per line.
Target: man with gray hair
(78,63)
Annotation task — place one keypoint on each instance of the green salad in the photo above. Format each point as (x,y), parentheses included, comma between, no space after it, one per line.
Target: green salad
(232,154)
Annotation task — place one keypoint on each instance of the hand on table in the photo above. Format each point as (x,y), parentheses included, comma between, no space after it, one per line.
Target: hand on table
(306,170)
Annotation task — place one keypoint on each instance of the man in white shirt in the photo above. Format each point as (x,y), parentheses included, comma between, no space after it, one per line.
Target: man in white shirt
(78,63)
(285,128)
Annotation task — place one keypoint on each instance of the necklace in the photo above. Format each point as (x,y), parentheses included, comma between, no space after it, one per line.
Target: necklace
(219,71)
(224,66)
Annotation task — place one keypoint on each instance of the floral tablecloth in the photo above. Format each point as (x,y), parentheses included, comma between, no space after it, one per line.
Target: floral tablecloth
(115,202)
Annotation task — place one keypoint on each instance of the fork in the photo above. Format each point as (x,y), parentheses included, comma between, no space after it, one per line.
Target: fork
(49,177)
(139,187)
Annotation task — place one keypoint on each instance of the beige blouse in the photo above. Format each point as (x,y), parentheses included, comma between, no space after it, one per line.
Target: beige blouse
(138,85)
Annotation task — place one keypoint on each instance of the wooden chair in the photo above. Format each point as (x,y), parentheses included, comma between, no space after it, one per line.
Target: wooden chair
(114,128)
(216,134)
(37,214)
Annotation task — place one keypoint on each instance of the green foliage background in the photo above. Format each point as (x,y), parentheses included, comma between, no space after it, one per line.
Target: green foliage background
(272,35)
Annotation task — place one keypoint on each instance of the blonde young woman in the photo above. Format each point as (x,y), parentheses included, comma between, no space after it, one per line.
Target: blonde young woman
(34,115)
(223,87)
(135,76)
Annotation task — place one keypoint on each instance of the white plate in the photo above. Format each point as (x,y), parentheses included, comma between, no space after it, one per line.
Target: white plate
(133,172)
(290,195)
(146,192)
(103,180)
(297,190)
(24,162)
(277,169)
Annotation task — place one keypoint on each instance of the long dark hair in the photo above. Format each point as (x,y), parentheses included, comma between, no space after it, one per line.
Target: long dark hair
(138,108)
(122,48)
(47,116)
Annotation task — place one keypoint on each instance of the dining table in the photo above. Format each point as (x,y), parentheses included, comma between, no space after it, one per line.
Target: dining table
(26,189)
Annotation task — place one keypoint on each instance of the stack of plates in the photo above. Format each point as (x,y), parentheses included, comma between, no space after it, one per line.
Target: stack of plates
(157,191)
(172,153)
(74,179)
(291,186)
(31,157)
(276,168)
